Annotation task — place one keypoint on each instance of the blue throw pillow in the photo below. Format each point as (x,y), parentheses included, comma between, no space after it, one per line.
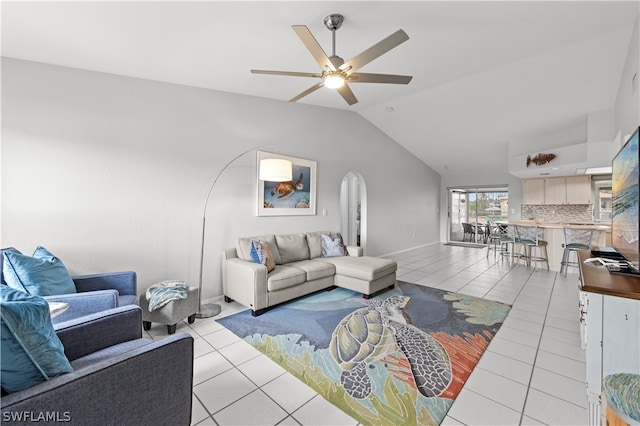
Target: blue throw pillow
(333,247)
(31,351)
(42,274)
(261,253)
(2,251)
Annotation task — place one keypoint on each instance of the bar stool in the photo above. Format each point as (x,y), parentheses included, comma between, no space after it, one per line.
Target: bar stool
(500,236)
(574,239)
(494,236)
(508,237)
(535,248)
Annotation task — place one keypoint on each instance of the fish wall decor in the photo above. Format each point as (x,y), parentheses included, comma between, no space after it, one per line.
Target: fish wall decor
(540,159)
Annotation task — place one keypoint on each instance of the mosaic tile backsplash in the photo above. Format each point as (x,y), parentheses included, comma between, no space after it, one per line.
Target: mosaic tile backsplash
(557,213)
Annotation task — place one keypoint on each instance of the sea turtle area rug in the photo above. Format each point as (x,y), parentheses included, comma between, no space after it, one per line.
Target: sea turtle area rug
(400,358)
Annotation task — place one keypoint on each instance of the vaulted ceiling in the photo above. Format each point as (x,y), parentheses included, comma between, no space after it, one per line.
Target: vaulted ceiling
(484,73)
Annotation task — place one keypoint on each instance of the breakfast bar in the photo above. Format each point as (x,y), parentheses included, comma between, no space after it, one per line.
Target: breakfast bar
(554,236)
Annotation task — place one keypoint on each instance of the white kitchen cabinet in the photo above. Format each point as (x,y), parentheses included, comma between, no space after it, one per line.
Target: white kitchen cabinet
(579,190)
(533,191)
(555,190)
(558,190)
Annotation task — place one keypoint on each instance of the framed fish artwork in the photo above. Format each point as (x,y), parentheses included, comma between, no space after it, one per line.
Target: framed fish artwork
(291,198)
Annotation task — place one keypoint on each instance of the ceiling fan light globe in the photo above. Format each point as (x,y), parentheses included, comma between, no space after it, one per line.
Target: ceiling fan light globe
(334,81)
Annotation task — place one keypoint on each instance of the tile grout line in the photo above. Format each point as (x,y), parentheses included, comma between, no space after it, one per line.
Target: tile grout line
(535,358)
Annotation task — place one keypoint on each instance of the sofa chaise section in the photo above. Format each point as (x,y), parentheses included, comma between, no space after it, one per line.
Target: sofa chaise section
(365,274)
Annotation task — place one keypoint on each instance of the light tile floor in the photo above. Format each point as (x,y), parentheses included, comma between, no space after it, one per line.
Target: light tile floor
(532,373)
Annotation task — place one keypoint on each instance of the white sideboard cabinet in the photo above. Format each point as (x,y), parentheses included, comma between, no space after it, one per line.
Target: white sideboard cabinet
(610,325)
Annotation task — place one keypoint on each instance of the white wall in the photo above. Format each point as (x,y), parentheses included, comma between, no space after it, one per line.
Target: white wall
(627,107)
(111,173)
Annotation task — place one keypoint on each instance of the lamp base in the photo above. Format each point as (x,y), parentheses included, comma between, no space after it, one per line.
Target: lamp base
(208,310)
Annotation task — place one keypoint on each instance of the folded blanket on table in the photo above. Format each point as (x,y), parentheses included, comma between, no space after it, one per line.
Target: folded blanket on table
(163,292)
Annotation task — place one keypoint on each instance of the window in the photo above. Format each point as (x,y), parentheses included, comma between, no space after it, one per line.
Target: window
(602,208)
(476,207)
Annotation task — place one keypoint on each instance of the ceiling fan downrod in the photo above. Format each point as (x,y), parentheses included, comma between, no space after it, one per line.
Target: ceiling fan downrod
(333,22)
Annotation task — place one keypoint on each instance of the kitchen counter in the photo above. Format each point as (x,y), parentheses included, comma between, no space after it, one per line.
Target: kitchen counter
(599,226)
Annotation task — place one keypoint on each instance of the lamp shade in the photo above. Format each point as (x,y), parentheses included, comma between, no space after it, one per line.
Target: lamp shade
(275,170)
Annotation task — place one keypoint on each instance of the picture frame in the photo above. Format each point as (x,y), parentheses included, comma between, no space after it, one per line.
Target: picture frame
(294,198)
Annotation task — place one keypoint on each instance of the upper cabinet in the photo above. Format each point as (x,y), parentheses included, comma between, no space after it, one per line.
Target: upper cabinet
(558,190)
(579,190)
(555,190)
(534,191)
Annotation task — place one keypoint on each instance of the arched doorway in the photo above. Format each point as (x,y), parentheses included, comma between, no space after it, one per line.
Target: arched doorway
(353,208)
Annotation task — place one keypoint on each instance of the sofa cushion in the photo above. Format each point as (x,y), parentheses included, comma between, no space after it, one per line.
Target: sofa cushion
(314,269)
(292,247)
(42,274)
(365,267)
(261,253)
(285,276)
(243,247)
(31,351)
(333,247)
(314,240)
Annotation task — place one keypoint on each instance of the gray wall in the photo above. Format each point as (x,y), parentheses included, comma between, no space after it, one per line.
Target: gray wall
(111,173)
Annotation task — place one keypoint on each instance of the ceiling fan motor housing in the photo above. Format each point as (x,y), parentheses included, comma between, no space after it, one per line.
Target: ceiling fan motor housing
(336,60)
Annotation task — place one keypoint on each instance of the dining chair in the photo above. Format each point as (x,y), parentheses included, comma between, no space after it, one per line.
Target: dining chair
(468,230)
(479,231)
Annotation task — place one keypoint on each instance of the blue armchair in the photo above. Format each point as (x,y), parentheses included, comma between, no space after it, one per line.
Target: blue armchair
(95,293)
(118,378)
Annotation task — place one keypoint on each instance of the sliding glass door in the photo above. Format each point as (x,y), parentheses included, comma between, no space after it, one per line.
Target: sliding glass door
(473,209)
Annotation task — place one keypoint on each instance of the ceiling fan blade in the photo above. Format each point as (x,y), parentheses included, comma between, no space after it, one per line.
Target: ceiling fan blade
(313,46)
(306,92)
(347,94)
(374,52)
(288,73)
(359,77)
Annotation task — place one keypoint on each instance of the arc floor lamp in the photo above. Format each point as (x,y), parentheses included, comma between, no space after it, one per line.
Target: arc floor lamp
(270,169)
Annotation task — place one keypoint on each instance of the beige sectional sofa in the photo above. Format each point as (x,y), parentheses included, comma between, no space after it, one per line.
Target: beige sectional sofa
(300,270)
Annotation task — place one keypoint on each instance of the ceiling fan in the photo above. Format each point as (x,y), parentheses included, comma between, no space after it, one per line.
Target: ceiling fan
(336,73)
